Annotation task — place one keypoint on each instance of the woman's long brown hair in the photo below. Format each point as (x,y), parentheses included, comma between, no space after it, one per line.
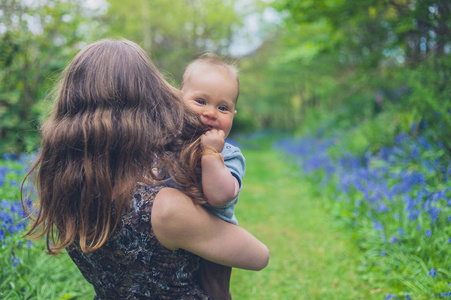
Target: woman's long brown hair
(114,119)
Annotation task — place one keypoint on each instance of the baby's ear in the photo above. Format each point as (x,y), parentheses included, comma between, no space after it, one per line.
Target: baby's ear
(234,113)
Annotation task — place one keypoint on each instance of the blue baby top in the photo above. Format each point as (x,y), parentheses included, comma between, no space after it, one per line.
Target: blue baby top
(235,162)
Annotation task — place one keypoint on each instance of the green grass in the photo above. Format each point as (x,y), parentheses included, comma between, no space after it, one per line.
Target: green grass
(310,257)
(41,276)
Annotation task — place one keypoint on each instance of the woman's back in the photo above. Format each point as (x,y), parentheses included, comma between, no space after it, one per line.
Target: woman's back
(114,120)
(134,265)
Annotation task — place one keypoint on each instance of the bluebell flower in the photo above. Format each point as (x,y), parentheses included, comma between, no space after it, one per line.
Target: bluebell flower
(423,192)
(383,252)
(424,143)
(433,213)
(445,294)
(390,296)
(378,225)
(10,156)
(384,153)
(16,261)
(393,239)
(428,232)
(401,231)
(401,137)
(439,195)
(407,297)
(423,124)
(432,273)
(415,153)
(382,207)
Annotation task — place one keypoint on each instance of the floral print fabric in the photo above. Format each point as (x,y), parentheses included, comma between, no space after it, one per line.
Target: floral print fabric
(134,265)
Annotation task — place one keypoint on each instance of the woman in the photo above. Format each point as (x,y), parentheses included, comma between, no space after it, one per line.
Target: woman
(115,119)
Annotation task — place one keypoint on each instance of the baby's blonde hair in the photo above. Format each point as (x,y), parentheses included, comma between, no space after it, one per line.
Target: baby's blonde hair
(212,59)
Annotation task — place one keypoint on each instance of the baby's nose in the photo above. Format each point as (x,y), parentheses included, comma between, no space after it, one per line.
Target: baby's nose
(210,113)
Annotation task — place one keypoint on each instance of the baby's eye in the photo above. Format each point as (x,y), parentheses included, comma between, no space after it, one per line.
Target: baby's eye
(223,108)
(201,101)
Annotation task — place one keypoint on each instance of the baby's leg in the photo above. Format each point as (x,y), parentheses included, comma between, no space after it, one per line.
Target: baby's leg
(215,280)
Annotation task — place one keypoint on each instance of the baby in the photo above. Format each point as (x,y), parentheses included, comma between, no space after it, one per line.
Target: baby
(211,88)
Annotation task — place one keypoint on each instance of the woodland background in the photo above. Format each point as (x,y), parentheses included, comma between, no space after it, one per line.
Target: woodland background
(344,118)
(379,65)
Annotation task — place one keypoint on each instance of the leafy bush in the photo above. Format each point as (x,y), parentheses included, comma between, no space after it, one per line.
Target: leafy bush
(429,98)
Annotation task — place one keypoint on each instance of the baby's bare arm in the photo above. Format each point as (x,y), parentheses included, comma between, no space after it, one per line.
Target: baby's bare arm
(218,184)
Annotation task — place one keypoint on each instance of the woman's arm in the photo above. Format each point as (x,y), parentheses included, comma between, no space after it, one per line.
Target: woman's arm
(179,223)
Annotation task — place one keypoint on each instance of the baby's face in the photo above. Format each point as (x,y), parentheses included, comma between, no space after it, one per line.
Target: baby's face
(211,92)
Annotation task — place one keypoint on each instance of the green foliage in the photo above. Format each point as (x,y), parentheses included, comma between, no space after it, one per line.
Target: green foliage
(174,33)
(352,61)
(430,90)
(39,38)
(371,135)
(375,64)
(287,77)
(40,276)
(37,41)
(367,31)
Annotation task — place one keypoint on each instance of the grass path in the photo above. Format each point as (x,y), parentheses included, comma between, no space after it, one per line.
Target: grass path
(310,258)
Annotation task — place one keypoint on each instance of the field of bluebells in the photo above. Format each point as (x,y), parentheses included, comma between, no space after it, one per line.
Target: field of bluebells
(12,170)
(396,203)
(26,271)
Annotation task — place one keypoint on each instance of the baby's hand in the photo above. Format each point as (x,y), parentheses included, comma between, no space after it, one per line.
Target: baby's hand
(213,138)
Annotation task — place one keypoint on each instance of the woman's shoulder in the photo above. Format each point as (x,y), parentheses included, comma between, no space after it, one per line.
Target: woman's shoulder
(174,217)
(170,201)
(171,205)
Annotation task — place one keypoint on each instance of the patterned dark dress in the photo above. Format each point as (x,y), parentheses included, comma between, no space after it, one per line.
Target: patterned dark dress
(134,265)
